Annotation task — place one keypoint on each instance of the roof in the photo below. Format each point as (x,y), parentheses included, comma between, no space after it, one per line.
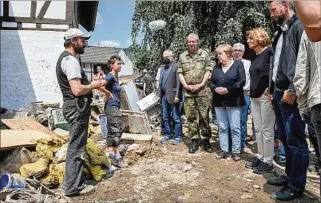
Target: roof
(95,54)
(87,12)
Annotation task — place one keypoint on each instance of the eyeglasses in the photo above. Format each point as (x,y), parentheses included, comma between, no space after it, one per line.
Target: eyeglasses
(237,50)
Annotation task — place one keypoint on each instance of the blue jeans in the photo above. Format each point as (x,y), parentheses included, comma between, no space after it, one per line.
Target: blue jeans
(244,116)
(103,125)
(281,152)
(291,132)
(229,117)
(174,110)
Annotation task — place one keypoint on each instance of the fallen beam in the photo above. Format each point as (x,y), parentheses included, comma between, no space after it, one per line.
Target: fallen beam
(10,139)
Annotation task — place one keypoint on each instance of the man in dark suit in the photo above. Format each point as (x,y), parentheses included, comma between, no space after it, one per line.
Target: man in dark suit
(169,93)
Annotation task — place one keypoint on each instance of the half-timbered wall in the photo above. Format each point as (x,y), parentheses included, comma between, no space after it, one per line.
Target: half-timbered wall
(37,15)
(31,42)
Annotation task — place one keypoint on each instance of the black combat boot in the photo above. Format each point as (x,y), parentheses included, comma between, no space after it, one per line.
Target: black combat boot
(194,146)
(207,146)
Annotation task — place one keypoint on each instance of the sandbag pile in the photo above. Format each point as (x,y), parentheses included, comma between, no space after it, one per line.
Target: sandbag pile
(50,167)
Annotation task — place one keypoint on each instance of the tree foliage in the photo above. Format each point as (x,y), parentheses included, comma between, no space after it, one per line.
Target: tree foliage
(215,22)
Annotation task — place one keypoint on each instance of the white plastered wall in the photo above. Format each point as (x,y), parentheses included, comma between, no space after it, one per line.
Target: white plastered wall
(28,67)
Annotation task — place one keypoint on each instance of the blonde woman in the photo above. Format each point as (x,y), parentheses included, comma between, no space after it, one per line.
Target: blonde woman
(227,83)
(262,112)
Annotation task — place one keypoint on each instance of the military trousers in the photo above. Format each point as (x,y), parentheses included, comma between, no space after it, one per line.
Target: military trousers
(197,113)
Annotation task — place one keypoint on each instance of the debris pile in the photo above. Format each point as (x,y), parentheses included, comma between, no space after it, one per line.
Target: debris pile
(50,166)
(37,143)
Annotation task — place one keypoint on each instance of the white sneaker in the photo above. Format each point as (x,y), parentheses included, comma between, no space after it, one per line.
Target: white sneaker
(87,190)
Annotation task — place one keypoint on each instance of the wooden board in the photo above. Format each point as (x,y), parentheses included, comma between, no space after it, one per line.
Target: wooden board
(19,138)
(26,124)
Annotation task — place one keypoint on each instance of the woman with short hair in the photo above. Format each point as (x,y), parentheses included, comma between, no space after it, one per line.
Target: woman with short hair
(262,112)
(115,124)
(227,81)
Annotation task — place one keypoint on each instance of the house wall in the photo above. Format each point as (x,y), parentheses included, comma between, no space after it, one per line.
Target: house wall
(28,57)
(22,9)
(127,68)
(28,67)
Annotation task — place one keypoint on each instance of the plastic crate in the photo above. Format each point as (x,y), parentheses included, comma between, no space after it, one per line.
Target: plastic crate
(57,120)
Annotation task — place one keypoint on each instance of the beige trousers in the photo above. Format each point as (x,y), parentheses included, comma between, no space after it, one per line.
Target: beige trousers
(264,120)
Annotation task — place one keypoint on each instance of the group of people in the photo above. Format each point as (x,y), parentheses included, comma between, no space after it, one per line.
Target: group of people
(279,85)
(282,82)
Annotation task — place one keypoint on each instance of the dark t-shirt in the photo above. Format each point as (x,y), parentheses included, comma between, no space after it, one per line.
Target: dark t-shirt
(259,73)
(149,83)
(114,88)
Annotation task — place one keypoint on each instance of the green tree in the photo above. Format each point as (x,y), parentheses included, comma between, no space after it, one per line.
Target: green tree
(215,22)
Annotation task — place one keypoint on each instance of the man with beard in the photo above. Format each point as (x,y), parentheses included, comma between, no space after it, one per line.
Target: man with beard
(194,70)
(77,95)
(289,122)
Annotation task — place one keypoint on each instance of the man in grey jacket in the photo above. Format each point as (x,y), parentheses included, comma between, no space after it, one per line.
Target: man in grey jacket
(307,84)
(170,94)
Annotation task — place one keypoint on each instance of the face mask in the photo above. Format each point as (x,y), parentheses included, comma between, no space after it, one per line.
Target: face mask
(166,61)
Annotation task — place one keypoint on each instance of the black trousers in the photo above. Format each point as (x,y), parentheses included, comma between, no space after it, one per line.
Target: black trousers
(78,121)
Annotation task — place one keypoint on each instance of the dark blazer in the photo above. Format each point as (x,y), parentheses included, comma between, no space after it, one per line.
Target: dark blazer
(172,86)
(233,80)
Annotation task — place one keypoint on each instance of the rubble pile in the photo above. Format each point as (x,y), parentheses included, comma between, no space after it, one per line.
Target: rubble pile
(43,166)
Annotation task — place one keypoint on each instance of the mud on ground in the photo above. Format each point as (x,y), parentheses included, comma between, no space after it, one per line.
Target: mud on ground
(167,173)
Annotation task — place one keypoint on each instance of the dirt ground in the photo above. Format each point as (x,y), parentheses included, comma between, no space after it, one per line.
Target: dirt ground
(167,173)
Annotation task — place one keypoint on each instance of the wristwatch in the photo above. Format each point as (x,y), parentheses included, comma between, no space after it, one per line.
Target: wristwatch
(291,92)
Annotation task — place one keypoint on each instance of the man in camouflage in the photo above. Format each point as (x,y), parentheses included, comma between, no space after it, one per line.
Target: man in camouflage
(194,70)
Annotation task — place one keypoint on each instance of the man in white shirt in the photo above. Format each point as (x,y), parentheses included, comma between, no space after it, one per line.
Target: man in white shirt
(238,52)
(77,95)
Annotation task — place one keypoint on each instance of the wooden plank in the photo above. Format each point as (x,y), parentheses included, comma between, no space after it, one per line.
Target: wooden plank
(26,124)
(33,20)
(5,8)
(20,138)
(33,9)
(69,11)
(38,29)
(43,9)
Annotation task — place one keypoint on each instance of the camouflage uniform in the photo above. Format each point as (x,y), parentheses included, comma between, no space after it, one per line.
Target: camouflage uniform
(197,105)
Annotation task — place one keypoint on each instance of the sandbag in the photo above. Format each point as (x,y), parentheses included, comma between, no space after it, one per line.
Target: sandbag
(95,156)
(36,169)
(55,175)
(60,156)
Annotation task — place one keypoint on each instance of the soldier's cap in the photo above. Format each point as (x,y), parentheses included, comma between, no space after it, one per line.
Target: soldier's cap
(75,32)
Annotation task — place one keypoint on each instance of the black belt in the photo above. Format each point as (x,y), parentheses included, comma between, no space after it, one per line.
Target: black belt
(163,92)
